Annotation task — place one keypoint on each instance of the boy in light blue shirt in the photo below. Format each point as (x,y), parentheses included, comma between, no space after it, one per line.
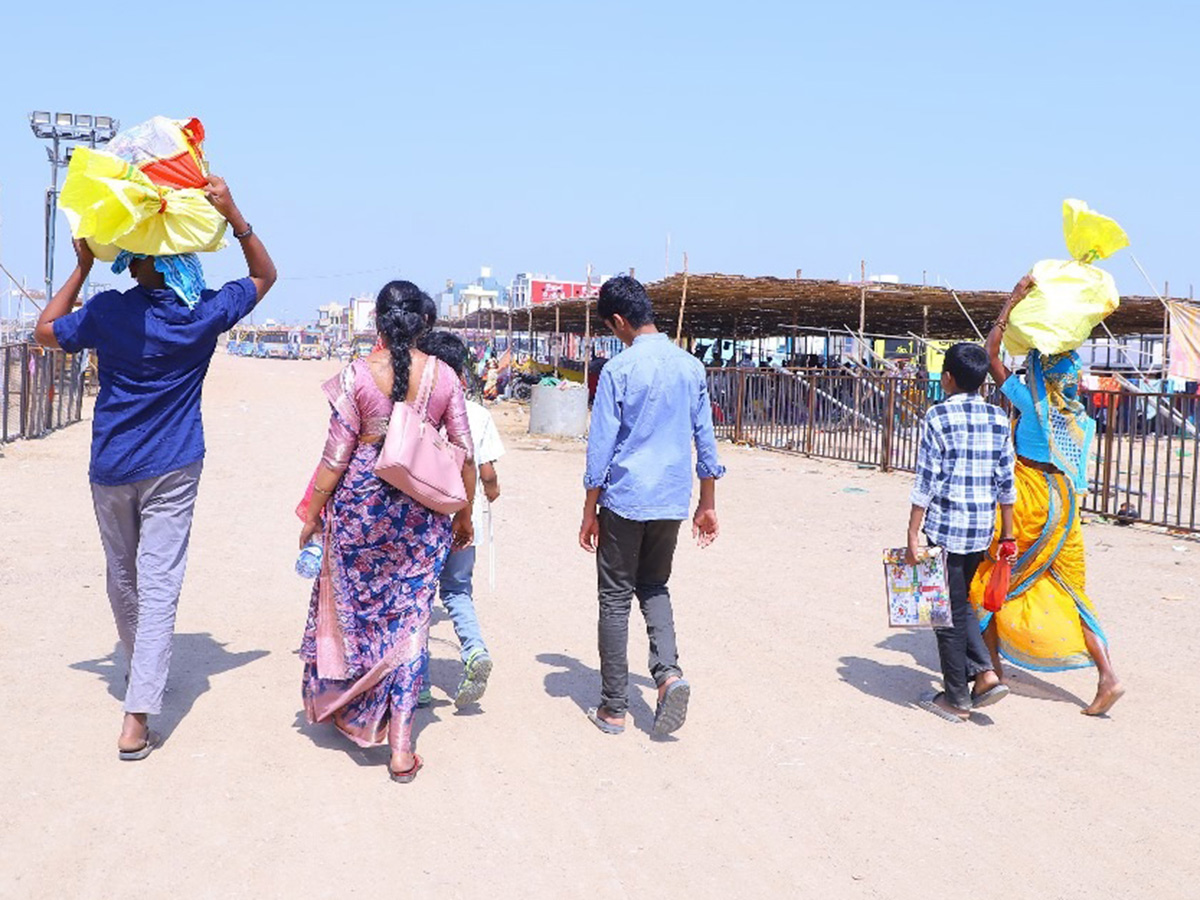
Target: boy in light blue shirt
(651,407)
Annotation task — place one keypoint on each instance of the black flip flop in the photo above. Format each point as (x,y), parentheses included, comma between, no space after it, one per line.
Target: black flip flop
(928,702)
(991,695)
(593,715)
(141,752)
(672,709)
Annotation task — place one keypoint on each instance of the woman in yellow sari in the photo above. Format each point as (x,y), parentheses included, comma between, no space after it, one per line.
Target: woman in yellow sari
(1047,622)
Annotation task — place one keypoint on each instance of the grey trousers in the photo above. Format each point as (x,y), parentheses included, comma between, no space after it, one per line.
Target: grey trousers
(145,527)
(634,558)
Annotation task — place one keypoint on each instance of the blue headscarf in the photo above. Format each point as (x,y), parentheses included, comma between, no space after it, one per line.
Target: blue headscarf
(182,273)
(1054,383)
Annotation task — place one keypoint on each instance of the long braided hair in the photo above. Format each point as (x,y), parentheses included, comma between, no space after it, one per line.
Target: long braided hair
(405,316)
(402,316)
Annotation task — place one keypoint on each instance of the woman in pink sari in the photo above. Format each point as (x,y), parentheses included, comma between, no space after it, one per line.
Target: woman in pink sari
(366,641)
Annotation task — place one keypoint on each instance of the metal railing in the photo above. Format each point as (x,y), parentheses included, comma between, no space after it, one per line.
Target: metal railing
(1145,461)
(40,390)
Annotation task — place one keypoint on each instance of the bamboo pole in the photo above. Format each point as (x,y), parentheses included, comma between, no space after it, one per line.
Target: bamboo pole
(683,301)
(587,327)
(28,296)
(862,304)
(1166,326)
(862,325)
(964,310)
(557,336)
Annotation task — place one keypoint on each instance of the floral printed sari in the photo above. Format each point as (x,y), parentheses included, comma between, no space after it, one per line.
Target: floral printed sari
(366,640)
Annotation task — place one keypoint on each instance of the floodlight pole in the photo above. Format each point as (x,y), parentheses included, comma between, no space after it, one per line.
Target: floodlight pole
(48,127)
(51,203)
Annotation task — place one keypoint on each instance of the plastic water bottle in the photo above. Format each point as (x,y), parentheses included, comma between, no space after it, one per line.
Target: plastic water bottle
(308,563)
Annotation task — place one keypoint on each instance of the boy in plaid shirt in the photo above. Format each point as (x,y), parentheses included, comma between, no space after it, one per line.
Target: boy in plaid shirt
(964,468)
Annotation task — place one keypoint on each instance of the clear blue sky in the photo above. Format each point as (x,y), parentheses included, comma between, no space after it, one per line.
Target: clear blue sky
(425,139)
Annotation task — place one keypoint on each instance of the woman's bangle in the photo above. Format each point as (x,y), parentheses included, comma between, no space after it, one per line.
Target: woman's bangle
(317,490)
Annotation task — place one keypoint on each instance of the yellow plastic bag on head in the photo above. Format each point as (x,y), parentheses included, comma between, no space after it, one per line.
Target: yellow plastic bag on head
(1070,297)
(115,206)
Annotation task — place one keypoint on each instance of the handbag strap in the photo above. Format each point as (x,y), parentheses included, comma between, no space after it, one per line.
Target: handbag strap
(428,383)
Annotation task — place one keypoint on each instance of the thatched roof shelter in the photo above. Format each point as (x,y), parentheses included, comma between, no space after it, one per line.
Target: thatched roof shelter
(745,307)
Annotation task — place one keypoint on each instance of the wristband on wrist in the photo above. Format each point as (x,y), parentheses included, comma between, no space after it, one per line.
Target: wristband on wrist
(242,235)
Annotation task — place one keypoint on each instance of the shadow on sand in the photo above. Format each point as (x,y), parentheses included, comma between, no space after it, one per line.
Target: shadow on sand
(902,684)
(580,683)
(923,649)
(195,658)
(444,675)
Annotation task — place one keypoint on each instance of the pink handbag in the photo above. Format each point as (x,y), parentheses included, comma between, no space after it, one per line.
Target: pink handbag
(417,458)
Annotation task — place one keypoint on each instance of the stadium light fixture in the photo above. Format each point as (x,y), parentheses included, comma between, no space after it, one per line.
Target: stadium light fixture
(59,128)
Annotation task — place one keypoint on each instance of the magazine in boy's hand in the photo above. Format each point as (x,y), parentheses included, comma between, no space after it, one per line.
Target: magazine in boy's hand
(917,596)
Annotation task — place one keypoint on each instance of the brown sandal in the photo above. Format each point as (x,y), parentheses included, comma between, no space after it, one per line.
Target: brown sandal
(408,774)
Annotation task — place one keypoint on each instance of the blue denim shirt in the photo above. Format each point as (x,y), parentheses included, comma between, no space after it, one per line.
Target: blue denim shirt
(153,353)
(651,406)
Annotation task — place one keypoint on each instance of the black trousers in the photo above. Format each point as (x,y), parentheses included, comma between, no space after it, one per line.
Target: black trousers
(961,648)
(634,559)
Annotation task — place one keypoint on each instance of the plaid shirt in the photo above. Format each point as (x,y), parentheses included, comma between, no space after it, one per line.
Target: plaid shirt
(964,468)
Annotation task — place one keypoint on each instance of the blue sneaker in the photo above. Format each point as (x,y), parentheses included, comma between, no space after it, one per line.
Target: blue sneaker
(474,680)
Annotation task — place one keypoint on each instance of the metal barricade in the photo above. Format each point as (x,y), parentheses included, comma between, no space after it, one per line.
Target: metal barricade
(40,390)
(1145,459)
(862,417)
(1144,464)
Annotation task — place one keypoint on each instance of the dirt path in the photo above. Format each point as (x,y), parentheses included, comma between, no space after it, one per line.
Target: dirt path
(802,771)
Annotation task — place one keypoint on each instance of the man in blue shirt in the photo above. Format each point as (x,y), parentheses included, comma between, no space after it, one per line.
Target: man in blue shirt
(651,406)
(153,345)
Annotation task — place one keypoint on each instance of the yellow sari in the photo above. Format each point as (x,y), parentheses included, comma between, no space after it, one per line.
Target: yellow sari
(1040,626)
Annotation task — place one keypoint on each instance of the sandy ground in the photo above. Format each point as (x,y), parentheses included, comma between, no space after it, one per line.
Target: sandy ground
(803,769)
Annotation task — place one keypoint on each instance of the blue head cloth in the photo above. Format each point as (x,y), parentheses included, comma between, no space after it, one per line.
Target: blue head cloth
(1054,383)
(182,273)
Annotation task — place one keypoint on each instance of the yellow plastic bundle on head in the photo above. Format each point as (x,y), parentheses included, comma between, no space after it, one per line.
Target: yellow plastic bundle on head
(147,196)
(1070,297)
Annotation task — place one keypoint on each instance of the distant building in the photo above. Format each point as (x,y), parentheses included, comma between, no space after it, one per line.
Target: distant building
(462,298)
(528,289)
(331,316)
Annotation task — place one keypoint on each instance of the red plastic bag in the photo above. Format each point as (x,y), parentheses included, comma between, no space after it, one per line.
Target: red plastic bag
(997,587)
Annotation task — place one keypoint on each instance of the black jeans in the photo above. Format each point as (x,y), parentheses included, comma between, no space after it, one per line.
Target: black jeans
(634,558)
(961,648)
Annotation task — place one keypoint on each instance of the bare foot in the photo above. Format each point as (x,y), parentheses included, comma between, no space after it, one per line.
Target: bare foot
(984,682)
(1106,697)
(134,733)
